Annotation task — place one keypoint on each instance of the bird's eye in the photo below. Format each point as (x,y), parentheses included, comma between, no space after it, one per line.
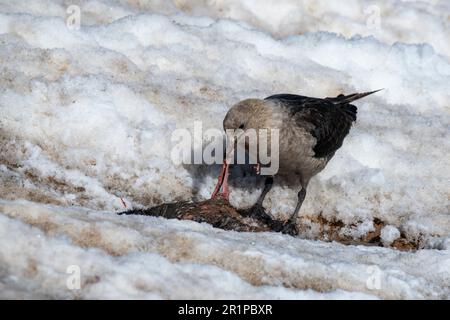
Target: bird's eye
(241,126)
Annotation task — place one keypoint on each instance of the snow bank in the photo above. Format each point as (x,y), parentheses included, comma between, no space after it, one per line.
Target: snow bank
(144,257)
(86,117)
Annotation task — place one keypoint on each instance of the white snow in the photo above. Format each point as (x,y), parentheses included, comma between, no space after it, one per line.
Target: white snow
(86,118)
(389,234)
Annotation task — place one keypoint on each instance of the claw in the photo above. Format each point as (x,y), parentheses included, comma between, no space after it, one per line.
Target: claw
(257,212)
(290,227)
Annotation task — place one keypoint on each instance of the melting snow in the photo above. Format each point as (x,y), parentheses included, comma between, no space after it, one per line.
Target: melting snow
(86,118)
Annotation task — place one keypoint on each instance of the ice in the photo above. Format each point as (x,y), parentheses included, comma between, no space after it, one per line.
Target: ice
(86,118)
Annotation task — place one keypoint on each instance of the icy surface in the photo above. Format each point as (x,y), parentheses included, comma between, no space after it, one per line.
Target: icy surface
(86,118)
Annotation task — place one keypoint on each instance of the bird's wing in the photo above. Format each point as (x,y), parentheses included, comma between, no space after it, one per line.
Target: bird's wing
(329,122)
(289,98)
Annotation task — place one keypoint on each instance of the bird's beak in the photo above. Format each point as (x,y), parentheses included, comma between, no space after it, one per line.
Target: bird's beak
(229,153)
(229,157)
(233,140)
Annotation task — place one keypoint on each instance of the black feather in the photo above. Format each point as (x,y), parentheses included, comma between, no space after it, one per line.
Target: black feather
(330,119)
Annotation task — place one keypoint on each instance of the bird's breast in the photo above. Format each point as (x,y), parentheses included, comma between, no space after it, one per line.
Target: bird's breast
(296,152)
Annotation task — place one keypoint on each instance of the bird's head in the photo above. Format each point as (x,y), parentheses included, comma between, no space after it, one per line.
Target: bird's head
(247,114)
(243,121)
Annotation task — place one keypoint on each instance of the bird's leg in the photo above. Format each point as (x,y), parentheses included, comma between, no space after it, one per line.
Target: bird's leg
(290,227)
(223,180)
(268,183)
(257,210)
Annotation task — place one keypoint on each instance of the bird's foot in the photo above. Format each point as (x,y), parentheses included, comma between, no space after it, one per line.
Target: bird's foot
(257,212)
(286,227)
(290,227)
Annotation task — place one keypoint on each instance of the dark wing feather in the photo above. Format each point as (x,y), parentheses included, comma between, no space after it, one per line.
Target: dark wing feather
(293,98)
(330,121)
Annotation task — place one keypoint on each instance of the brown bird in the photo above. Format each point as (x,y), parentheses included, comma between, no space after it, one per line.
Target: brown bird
(310,132)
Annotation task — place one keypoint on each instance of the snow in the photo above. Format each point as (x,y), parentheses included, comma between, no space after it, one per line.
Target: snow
(389,234)
(86,118)
(141,257)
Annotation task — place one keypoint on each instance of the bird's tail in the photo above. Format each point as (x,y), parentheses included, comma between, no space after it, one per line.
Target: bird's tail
(341,99)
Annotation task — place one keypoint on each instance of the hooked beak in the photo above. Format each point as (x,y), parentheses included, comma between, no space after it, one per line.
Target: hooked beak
(229,157)
(234,139)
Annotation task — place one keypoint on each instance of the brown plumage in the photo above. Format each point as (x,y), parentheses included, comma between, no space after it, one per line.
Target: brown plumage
(310,132)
